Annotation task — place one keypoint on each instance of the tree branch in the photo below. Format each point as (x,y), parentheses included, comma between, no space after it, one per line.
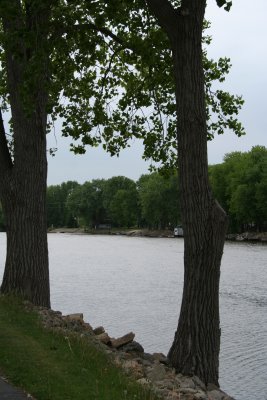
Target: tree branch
(90,25)
(106,32)
(109,68)
(165,14)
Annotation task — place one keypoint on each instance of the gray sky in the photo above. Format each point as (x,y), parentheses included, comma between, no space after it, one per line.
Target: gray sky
(241,35)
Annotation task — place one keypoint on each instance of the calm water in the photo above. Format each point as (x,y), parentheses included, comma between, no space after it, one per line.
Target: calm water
(135,284)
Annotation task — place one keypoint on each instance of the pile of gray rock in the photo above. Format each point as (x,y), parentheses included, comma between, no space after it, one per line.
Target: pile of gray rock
(248,236)
(152,370)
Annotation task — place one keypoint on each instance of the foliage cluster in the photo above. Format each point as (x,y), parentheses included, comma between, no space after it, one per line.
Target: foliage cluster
(53,366)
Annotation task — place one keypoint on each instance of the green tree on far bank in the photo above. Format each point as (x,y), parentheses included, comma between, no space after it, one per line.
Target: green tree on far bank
(85,203)
(240,184)
(159,200)
(58,214)
(120,200)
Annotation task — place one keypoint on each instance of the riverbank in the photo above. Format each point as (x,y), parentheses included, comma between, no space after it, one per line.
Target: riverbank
(248,237)
(138,375)
(122,232)
(166,233)
(52,357)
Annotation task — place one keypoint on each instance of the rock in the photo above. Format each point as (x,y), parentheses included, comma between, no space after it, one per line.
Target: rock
(187,383)
(104,338)
(218,394)
(146,369)
(132,367)
(212,386)
(231,236)
(88,327)
(240,238)
(121,354)
(148,357)
(200,395)
(143,381)
(188,391)
(117,361)
(198,382)
(161,358)
(98,330)
(130,364)
(133,347)
(108,351)
(166,383)
(146,363)
(156,373)
(164,393)
(128,338)
(74,317)
(188,397)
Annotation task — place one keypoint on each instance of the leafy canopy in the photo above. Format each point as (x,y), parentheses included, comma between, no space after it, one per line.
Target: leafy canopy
(110,77)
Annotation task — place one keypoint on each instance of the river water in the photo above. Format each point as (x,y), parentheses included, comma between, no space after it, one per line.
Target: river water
(135,284)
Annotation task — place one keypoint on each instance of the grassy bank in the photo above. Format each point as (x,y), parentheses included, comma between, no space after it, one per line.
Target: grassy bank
(51,366)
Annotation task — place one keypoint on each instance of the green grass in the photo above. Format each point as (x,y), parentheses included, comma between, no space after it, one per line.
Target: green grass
(51,366)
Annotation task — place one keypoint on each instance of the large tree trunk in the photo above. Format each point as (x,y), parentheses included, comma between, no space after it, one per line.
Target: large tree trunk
(23,179)
(196,345)
(26,269)
(24,203)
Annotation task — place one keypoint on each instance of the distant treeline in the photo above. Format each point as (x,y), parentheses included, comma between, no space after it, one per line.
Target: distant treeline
(152,202)
(239,184)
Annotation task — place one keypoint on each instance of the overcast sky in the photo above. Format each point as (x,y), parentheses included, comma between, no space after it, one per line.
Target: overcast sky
(241,35)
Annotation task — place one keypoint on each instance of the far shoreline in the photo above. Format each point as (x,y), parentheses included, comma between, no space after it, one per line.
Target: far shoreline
(260,237)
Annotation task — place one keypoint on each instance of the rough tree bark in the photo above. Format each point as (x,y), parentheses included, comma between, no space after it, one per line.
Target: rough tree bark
(23,179)
(196,345)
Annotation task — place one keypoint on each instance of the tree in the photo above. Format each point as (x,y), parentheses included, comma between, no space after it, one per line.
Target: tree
(85,203)
(120,201)
(124,210)
(23,178)
(145,105)
(247,187)
(240,184)
(54,49)
(218,180)
(58,214)
(159,200)
(54,61)
(195,349)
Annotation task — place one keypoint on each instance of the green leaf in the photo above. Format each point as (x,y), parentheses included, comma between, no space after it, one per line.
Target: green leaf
(227,4)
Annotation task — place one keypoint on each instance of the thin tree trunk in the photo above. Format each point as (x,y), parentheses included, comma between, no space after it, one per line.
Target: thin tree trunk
(196,345)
